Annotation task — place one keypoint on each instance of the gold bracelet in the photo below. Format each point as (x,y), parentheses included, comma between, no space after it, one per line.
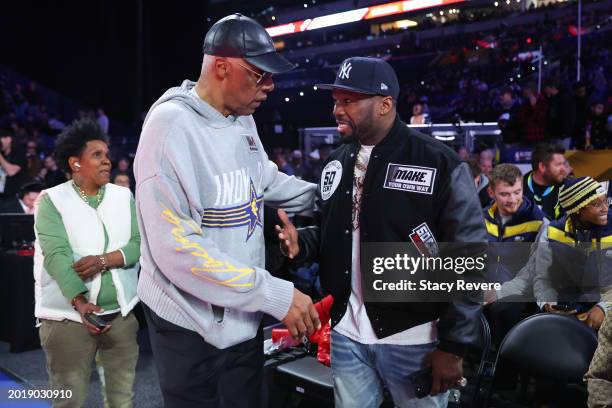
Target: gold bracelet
(104,263)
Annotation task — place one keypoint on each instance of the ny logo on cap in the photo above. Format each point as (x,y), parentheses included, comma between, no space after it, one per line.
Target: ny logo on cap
(345,70)
(383,86)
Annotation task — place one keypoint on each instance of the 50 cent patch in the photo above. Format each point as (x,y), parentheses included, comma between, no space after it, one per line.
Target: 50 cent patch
(330,178)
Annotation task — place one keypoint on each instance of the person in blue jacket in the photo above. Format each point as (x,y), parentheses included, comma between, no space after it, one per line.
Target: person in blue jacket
(512,221)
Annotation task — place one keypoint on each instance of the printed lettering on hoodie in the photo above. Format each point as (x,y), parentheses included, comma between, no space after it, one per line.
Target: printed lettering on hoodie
(237,203)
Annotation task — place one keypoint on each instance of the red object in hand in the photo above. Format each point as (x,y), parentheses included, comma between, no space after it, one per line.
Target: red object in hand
(321,337)
(323,351)
(323,308)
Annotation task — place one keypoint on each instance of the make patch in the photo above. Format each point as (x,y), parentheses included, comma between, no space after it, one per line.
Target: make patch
(413,179)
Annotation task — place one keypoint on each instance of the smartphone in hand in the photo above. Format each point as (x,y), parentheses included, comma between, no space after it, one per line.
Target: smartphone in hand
(96,321)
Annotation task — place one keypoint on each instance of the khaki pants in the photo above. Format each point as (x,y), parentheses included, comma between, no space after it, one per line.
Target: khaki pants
(70,350)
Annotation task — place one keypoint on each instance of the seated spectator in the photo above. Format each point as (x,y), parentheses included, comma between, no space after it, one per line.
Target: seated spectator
(464,153)
(419,116)
(581,108)
(597,134)
(300,167)
(13,165)
(283,165)
(481,181)
(24,201)
(51,174)
(485,161)
(318,157)
(511,218)
(122,179)
(507,118)
(543,181)
(124,165)
(570,264)
(560,114)
(532,115)
(34,162)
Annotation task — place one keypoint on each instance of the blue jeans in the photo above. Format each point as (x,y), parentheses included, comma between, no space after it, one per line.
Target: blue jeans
(361,371)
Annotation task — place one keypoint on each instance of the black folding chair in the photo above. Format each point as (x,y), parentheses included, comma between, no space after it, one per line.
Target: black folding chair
(485,365)
(549,345)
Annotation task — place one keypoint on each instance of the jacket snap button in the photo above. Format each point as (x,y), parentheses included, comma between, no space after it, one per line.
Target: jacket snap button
(346,231)
(346,272)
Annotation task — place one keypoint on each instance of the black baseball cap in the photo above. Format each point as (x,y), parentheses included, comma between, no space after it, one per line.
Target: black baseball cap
(371,76)
(239,36)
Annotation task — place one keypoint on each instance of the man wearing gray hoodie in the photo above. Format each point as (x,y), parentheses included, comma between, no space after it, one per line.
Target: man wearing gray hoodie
(202,178)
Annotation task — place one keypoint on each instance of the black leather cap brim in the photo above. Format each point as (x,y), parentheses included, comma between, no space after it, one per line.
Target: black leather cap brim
(272,62)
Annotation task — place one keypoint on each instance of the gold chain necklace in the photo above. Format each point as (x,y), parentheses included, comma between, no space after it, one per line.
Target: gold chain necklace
(84,196)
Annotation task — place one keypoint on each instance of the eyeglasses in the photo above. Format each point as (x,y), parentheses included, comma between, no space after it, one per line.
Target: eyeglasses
(263,77)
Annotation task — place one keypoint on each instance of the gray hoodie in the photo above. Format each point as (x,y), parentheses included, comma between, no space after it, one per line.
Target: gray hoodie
(201,180)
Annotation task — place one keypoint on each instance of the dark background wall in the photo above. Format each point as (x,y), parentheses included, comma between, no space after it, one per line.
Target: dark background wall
(120,55)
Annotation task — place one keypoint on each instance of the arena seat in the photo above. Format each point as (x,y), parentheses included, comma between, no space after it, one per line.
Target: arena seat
(551,346)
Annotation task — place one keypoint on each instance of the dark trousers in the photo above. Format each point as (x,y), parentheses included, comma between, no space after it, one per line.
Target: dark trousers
(193,373)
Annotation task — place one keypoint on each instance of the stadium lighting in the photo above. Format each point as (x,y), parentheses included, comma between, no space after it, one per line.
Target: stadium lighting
(365,13)
(281,30)
(495,4)
(287,99)
(273,18)
(301,93)
(315,87)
